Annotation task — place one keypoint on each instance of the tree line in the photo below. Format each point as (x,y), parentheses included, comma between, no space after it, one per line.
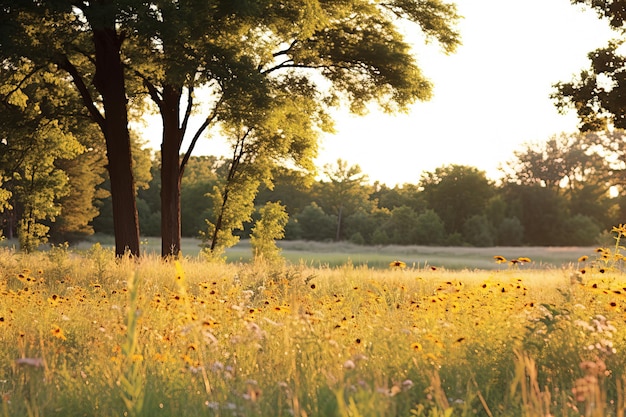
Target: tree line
(565,191)
(553,193)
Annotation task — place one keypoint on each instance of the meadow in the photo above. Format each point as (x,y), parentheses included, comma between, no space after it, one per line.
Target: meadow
(85,334)
(336,254)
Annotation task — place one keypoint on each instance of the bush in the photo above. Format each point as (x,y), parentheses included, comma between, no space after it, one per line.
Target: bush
(510,232)
(429,229)
(580,230)
(477,231)
(315,224)
(357,239)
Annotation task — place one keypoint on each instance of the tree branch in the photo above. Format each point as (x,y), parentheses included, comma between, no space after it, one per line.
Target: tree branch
(154,93)
(187,115)
(19,85)
(197,135)
(84,91)
(285,51)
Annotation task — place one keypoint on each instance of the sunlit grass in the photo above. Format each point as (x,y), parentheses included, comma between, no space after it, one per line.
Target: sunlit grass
(84,334)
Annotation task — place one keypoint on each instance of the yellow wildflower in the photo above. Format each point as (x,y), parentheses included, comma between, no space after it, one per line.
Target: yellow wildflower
(499,259)
(397,265)
(180,273)
(57,332)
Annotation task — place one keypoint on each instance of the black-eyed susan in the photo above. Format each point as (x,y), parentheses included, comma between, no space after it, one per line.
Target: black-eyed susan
(620,230)
(499,259)
(57,332)
(583,258)
(416,346)
(397,265)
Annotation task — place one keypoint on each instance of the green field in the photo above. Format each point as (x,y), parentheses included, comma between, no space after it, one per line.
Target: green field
(318,254)
(84,334)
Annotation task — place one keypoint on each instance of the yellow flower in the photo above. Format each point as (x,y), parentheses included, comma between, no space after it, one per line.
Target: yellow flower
(397,265)
(416,346)
(583,258)
(180,273)
(499,259)
(57,332)
(620,230)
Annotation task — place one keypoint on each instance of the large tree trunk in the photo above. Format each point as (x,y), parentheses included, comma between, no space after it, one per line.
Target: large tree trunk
(171,173)
(109,80)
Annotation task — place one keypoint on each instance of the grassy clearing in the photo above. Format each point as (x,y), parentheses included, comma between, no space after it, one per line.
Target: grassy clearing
(335,254)
(84,334)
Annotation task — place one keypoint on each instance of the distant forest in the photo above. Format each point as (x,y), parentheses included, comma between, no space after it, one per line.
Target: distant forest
(566,191)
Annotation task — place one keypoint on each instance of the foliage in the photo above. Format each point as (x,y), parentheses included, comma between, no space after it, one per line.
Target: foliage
(596,93)
(36,134)
(456,193)
(510,232)
(429,229)
(85,173)
(510,214)
(315,224)
(266,230)
(344,192)
(477,231)
(233,204)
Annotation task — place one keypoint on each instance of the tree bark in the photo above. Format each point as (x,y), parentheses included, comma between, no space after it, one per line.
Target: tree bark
(171,173)
(109,81)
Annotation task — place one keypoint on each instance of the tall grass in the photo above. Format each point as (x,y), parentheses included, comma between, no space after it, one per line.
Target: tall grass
(86,334)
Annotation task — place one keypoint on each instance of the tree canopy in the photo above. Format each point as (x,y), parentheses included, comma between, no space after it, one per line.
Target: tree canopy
(597,92)
(244,55)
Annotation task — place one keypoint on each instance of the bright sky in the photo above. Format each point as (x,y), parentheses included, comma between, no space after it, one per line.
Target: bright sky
(490,97)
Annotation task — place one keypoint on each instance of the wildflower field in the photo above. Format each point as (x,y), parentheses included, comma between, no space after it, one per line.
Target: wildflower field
(84,334)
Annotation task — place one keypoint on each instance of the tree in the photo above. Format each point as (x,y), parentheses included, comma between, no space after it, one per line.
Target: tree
(344,193)
(36,137)
(456,193)
(267,229)
(429,229)
(478,231)
(510,232)
(142,174)
(406,195)
(276,41)
(580,167)
(291,187)
(564,162)
(84,39)
(597,94)
(315,224)
(402,225)
(233,204)
(541,211)
(85,173)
